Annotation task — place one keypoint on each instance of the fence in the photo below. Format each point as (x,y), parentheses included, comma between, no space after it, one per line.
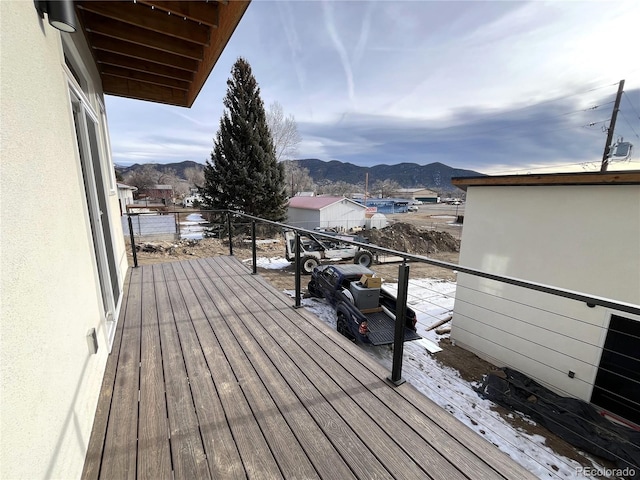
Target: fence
(170,225)
(612,347)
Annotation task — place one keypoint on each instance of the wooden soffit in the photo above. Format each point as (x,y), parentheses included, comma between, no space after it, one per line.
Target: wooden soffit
(628,177)
(160,51)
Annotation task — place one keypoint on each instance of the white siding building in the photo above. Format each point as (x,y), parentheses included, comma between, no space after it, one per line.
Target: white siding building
(125,196)
(326,212)
(579,232)
(64,268)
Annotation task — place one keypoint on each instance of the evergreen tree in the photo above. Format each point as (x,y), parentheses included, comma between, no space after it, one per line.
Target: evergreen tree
(243,173)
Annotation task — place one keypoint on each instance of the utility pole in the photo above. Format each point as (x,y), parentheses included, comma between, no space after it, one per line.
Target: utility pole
(612,126)
(366,187)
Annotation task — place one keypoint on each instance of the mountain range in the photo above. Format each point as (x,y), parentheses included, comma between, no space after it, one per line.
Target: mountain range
(436,176)
(179,167)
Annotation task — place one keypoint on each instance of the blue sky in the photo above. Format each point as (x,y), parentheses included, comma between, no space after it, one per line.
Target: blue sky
(497,87)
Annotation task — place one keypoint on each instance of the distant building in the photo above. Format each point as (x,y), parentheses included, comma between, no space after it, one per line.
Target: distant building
(192,199)
(387,205)
(326,212)
(157,194)
(423,195)
(125,196)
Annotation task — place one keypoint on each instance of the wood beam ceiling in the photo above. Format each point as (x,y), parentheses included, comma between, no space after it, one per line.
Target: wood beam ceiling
(205,13)
(157,50)
(149,18)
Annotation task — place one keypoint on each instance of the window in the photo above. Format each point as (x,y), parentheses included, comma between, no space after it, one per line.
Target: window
(617,385)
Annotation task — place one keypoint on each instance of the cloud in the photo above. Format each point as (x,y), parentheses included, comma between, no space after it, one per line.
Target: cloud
(555,132)
(483,85)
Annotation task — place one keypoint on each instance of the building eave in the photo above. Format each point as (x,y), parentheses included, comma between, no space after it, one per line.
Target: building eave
(630,177)
(159,51)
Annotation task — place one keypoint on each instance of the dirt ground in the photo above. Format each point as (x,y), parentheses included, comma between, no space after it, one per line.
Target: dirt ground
(407,230)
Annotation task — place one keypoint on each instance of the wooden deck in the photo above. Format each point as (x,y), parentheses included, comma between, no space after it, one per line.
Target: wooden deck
(213,374)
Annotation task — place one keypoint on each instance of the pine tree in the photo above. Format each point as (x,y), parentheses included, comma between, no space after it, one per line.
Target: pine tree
(243,173)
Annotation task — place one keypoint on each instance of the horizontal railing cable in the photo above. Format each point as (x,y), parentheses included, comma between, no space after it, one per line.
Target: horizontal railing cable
(612,433)
(591,300)
(555,332)
(568,394)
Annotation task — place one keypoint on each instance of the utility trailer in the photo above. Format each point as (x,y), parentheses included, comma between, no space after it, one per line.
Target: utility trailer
(314,249)
(363,313)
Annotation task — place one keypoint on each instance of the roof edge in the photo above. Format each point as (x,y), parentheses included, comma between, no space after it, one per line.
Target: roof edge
(628,177)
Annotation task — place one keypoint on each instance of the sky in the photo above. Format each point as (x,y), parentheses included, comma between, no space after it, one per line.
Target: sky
(499,87)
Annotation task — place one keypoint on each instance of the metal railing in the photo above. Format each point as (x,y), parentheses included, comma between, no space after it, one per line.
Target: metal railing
(229,222)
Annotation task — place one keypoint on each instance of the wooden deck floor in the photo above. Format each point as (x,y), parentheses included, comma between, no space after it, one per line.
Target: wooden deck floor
(213,374)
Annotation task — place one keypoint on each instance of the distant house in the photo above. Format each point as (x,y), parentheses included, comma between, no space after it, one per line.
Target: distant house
(192,199)
(125,196)
(157,194)
(579,232)
(325,212)
(63,271)
(423,195)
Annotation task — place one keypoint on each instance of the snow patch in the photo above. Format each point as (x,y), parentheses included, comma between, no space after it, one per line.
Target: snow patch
(433,300)
(270,263)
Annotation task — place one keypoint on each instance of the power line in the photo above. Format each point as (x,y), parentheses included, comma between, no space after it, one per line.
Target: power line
(514,125)
(632,107)
(628,123)
(546,102)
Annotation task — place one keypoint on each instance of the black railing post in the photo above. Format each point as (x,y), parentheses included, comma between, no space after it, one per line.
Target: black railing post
(230,233)
(133,242)
(297,267)
(401,317)
(254,250)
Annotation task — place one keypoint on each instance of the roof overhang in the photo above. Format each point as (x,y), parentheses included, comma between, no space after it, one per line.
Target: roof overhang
(631,177)
(160,51)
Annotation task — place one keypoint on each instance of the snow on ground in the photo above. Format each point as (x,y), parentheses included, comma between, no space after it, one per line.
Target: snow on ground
(433,300)
(270,263)
(192,228)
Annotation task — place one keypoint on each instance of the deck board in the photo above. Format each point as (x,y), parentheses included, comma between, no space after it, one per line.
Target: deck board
(216,375)
(120,448)
(220,446)
(440,436)
(367,409)
(154,453)
(289,455)
(187,449)
(254,450)
(93,459)
(380,450)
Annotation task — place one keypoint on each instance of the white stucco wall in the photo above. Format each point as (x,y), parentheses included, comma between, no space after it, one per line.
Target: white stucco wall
(49,286)
(582,238)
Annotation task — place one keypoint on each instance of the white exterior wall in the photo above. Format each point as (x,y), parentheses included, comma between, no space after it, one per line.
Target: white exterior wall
(125,197)
(303,218)
(582,238)
(343,215)
(50,294)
